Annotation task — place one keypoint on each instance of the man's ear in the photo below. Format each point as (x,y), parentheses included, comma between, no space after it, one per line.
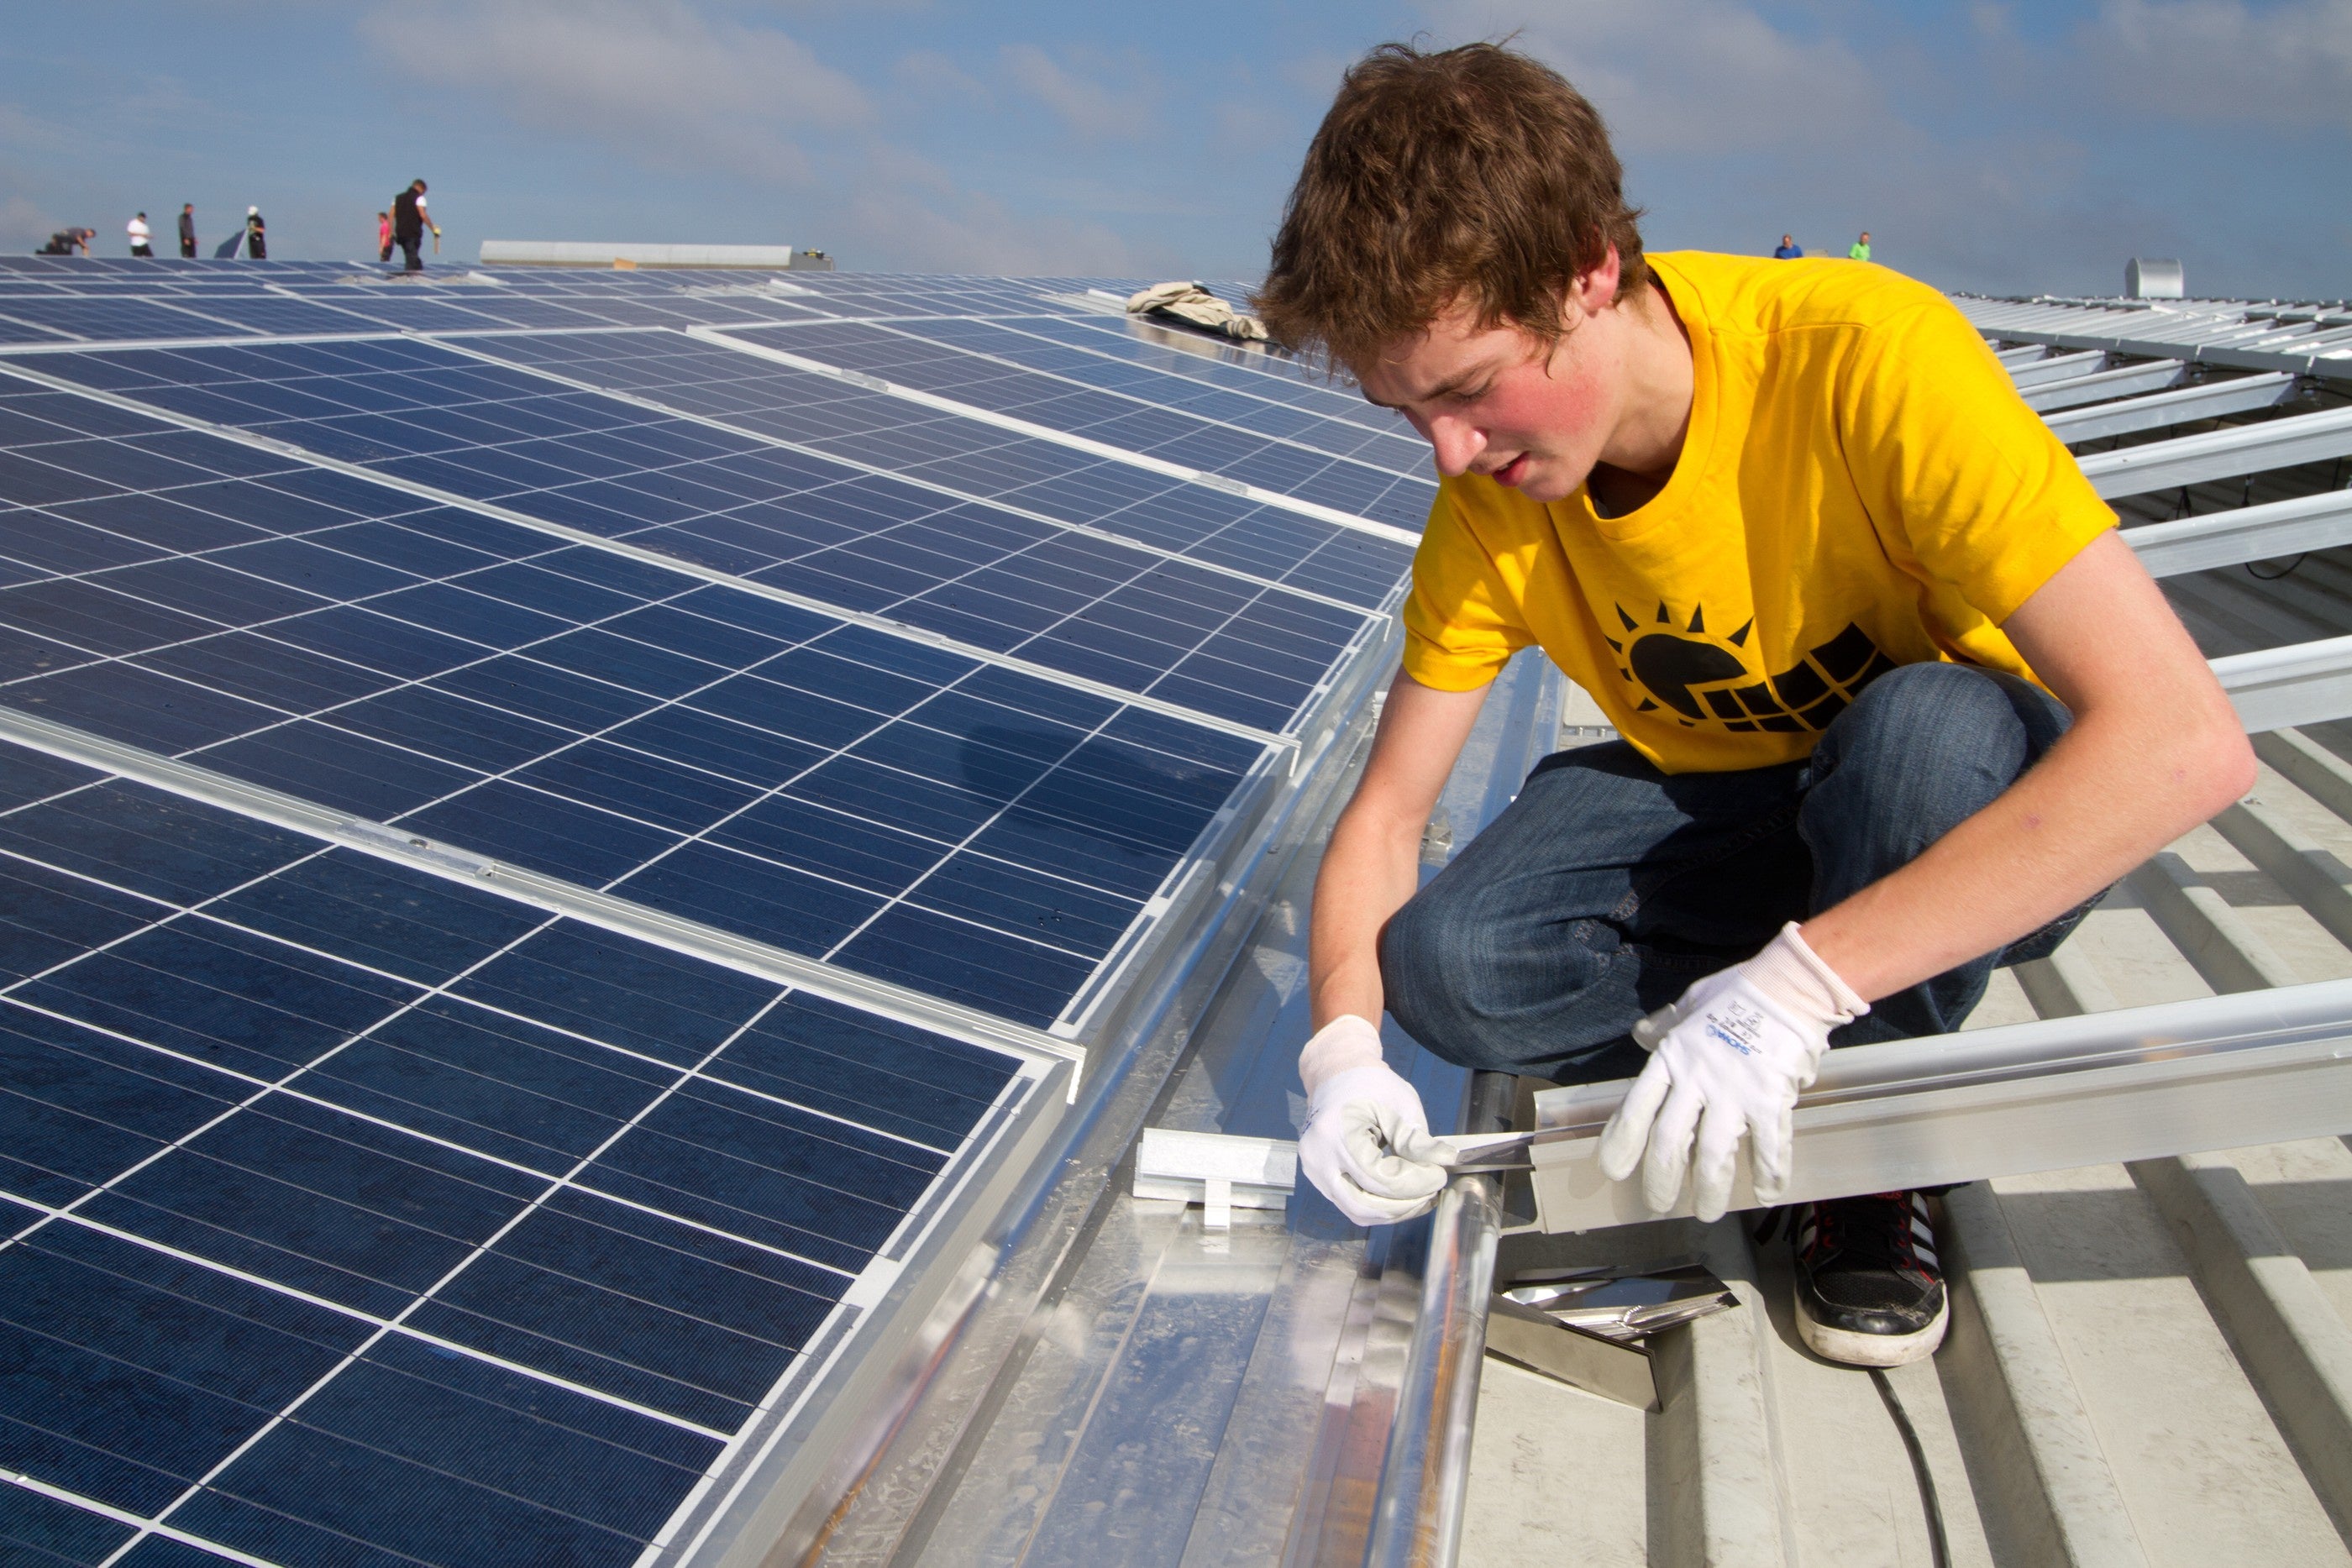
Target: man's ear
(1594,290)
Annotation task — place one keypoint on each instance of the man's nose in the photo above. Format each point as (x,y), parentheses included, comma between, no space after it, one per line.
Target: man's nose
(1456,442)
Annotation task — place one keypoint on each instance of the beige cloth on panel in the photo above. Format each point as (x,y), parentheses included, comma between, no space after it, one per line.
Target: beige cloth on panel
(1194,304)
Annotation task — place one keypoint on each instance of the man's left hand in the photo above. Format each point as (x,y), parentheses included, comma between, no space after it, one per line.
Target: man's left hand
(1728,1060)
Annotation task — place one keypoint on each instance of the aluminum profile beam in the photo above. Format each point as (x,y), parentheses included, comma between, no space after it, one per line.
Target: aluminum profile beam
(2278,689)
(2129,381)
(2243,534)
(2221,454)
(2213,400)
(2303,340)
(2058,368)
(2212,1073)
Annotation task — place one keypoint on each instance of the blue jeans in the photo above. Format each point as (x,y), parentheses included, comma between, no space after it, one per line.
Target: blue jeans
(1608,886)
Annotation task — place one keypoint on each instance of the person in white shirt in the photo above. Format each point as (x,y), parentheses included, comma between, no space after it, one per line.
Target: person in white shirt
(141,240)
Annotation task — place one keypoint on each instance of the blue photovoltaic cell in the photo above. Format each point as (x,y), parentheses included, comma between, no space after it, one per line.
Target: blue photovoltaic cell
(1229,398)
(357,1216)
(964,829)
(978,459)
(1175,351)
(1224,645)
(1397,490)
(117,318)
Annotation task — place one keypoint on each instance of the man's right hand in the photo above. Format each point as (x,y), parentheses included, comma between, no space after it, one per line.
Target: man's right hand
(1366,1145)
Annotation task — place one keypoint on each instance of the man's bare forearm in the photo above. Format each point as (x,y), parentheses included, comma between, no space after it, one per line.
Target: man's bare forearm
(1371,867)
(1373,863)
(2155,749)
(2094,807)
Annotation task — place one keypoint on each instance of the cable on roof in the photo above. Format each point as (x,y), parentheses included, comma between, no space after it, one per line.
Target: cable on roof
(1938,1548)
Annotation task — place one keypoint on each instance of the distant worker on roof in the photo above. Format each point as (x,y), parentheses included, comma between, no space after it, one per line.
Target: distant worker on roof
(384,236)
(68,242)
(409,221)
(143,238)
(1895,705)
(1860,249)
(1790,250)
(257,235)
(188,230)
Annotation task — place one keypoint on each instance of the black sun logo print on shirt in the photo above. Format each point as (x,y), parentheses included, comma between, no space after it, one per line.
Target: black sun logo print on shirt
(1702,677)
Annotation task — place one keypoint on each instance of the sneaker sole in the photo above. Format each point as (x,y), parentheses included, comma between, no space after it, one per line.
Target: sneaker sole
(1856,1349)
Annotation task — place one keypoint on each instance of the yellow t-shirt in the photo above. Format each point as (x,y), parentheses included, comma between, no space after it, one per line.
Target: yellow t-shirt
(1861,487)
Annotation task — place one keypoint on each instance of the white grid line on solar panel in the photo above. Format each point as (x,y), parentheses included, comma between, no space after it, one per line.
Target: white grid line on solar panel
(1277,465)
(217,313)
(911,398)
(671,562)
(1194,355)
(897,1099)
(468,1006)
(1123,642)
(640,351)
(605,793)
(399,1320)
(125,1517)
(808,412)
(537,1175)
(816,1111)
(1297,420)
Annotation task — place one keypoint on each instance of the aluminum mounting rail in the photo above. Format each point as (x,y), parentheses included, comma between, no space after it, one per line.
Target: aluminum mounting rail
(2216,1072)
(2278,688)
(2244,533)
(2211,400)
(2241,336)
(2153,375)
(2221,454)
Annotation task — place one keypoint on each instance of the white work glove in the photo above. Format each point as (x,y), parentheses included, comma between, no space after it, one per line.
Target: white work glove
(1366,1145)
(1728,1058)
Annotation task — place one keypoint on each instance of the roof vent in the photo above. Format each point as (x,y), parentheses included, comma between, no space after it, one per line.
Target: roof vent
(2145,278)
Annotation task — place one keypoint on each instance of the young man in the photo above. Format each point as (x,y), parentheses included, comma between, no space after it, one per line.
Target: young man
(1895,703)
(1860,249)
(143,238)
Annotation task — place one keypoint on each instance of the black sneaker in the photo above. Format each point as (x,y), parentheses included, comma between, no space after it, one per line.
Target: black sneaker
(1869,1291)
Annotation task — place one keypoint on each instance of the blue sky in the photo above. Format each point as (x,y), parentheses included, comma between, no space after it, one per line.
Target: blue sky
(2006,147)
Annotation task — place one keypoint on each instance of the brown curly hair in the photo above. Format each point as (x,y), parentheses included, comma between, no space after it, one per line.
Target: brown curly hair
(1473,174)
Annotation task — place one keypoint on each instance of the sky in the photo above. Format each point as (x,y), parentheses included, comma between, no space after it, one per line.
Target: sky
(2007,148)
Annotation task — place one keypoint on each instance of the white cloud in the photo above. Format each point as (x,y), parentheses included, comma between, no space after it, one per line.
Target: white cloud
(1095,110)
(655,80)
(2220,60)
(1679,76)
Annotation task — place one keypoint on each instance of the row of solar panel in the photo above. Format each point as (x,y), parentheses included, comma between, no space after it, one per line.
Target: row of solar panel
(1087,384)
(701,749)
(998,581)
(348,1205)
(371,1218)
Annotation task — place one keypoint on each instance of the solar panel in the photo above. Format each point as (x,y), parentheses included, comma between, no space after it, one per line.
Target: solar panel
(536,865)
(355,1214)
(970,457)
(1002,583)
